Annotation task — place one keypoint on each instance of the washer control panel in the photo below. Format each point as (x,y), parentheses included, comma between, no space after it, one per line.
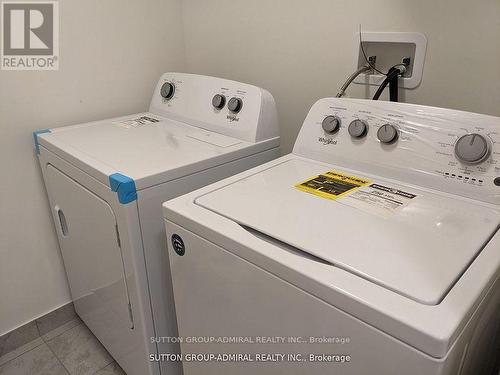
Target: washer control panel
(228,107)
(443,149)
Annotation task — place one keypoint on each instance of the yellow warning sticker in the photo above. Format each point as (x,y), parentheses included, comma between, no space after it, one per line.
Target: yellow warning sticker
(332,184)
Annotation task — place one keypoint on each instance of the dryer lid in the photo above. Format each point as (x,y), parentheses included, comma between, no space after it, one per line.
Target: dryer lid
(418,249)
(145,147)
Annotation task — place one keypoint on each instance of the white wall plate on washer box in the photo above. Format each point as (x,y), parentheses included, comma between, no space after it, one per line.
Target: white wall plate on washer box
(390,48)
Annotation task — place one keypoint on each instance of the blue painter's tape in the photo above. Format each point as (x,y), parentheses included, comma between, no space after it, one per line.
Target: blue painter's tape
(124,186)
(35,137)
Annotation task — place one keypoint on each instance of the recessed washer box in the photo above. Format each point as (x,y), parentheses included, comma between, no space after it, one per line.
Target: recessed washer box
(390,48)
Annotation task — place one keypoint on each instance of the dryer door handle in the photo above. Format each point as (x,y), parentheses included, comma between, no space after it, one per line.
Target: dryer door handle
(62,221)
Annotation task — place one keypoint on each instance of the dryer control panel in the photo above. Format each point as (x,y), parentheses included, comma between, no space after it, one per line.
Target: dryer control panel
(448,150)
(227,107)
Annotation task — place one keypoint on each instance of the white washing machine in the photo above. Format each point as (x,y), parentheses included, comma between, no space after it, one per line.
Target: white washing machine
(373,248)
(106,181)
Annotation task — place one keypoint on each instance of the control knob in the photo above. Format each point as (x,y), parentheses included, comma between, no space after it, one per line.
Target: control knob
(219,101)
(358,128)
(235,104)
(331,124)
(167,90)
(472,148)
(387,134)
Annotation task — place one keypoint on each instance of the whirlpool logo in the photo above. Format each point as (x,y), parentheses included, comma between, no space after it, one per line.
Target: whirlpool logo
(30,35)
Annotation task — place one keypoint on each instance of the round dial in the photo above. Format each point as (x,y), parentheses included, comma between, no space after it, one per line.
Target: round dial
(235,104)
(387,134)
(331,124)
(472,148)
(167,90)
(219,101)
(358,128)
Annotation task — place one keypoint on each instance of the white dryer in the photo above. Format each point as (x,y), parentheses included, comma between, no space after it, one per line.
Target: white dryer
(106,181)
(373,248)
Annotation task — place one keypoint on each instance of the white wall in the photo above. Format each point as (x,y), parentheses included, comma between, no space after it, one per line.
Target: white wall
(111,54)
(302,50)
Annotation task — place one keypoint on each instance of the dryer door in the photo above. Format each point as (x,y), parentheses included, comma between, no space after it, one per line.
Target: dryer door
(89,241)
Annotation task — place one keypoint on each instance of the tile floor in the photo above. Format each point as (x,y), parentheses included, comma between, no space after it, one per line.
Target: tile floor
(70,349)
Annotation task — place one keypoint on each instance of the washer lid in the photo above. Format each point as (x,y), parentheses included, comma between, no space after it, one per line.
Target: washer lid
(418,248)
